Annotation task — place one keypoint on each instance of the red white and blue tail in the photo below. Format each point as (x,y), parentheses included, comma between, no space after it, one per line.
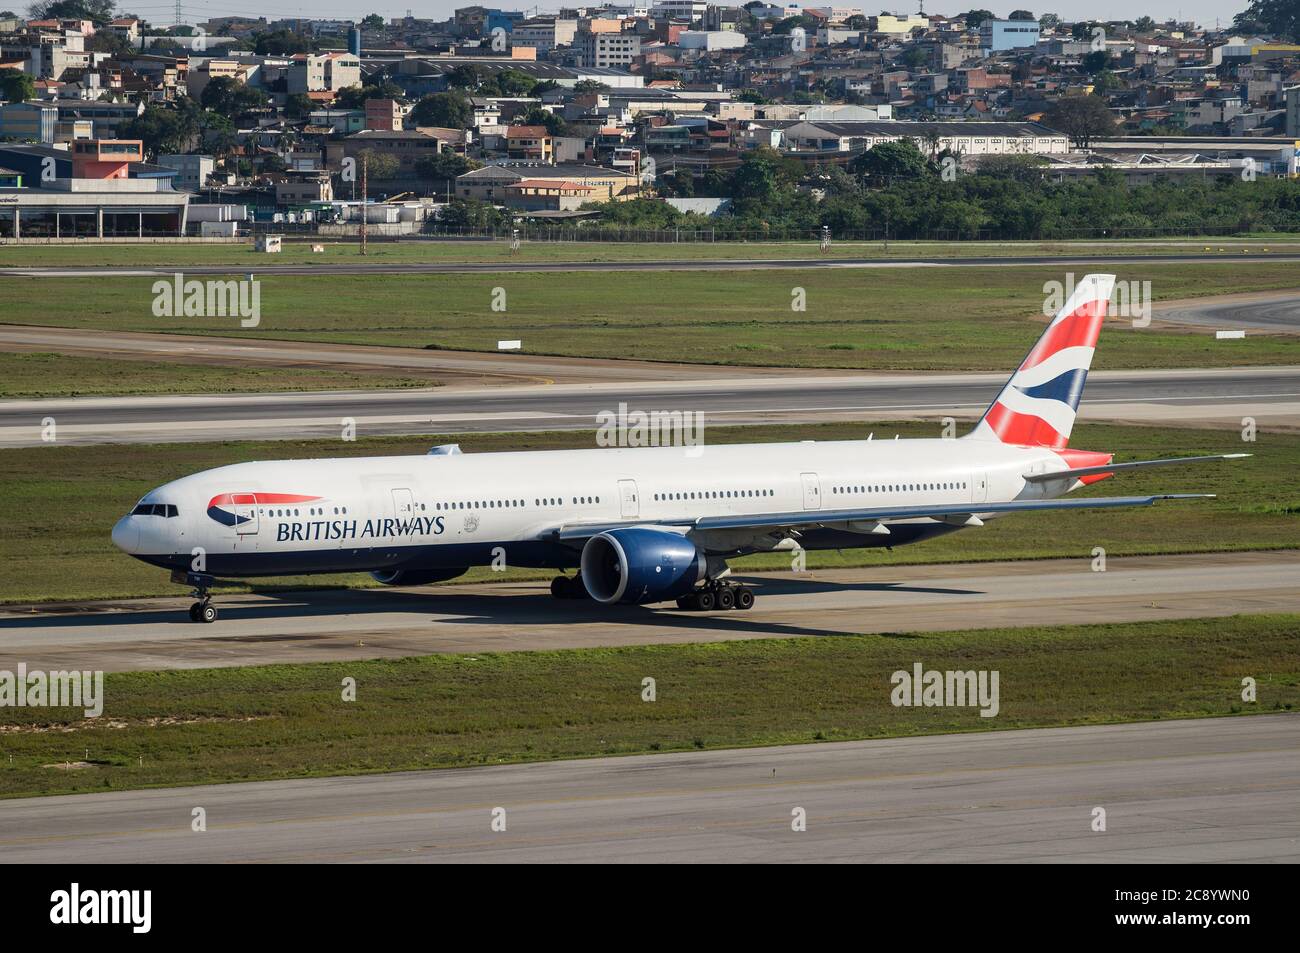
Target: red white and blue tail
(1037,406)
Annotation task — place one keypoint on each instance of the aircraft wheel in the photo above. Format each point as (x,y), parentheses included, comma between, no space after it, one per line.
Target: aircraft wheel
(194,611)
(726,598)
(744,598)
(208,613)
(561,588)
(704,600)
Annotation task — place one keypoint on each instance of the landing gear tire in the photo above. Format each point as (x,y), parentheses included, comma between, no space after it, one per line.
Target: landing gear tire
(726,598)
(744,598)
(203,612)
(705,600)
(562,587)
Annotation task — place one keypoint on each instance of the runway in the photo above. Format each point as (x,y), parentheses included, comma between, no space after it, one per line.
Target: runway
(1203,791)
(685,264)
(1271,312)
(335,625)
(1206,397)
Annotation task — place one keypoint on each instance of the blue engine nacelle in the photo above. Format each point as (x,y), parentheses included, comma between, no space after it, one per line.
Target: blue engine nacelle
(639,564)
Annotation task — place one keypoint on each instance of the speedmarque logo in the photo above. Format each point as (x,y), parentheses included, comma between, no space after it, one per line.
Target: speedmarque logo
(77,906)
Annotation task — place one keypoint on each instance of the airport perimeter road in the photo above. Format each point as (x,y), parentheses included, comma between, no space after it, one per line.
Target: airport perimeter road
(685,264)
(1209,397)
(1210,790)
(335,625)
(1268,311)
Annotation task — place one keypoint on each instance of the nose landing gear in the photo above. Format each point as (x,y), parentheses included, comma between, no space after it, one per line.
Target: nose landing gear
(203,610)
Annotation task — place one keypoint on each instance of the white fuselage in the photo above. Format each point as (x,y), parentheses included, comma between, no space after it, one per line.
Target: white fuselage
(457,510)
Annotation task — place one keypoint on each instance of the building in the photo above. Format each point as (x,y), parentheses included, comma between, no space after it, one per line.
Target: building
(192,171)
(961,138)
(322,72)
(304,188)
(28,122)
(894,25)
(493,183)
(385,115)
(999,35)
(531,143)
(407,146)
(105,158)
(604,50)
(105,117)
(1293,112)
(711,40)
(141,203)
(544,35)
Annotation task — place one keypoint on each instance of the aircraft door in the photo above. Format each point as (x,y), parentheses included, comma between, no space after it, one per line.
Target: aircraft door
(629,503)
(245,507)
(403,503)
(979,485)
(812,491)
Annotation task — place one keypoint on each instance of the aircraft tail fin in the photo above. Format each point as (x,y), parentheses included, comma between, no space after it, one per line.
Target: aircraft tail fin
(1037,406)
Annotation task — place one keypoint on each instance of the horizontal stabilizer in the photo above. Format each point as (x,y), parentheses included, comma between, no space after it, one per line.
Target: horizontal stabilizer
(1117,467)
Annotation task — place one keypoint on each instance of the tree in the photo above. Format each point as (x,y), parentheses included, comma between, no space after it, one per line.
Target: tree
(974,18)
(511,82)
(16,86)
(588,86)
(298,106)
(372,22)
(445,165)
(164,128)
(354,97)
(537,116)
(281,43)
(1049,21)
(464,76)
(1021,15)
(104,41)
(471,214)
(230,98)
(1082,118)
(379,165)
(765,177)
(1096,61)
(1144,25)
(889,161)
(1280,17)
(100,11)
(449,110)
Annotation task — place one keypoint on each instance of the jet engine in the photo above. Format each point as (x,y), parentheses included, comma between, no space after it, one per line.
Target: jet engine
(638,564)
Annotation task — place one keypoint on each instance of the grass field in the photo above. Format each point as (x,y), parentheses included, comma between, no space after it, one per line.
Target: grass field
(924,319)
(218,725)
(35,375)
(163,254)
(60,502)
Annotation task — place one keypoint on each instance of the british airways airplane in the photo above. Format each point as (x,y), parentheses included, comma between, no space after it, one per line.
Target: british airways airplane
(641,525)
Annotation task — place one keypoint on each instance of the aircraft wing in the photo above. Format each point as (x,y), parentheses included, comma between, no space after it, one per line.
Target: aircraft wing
(1117,467)
(803,519)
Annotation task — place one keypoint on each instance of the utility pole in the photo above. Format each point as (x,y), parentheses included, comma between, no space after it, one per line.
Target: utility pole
(365,191)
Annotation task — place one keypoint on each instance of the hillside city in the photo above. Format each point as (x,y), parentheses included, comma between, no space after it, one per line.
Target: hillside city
(684,117)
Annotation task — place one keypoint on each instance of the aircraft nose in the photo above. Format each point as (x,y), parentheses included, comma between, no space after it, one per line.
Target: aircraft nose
(126,535)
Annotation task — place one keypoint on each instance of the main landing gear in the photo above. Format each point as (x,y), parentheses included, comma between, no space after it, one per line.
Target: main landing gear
(717,595)
(569,587)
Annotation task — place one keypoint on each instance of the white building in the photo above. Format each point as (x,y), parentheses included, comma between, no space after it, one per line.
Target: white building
(192,171)
(711,40)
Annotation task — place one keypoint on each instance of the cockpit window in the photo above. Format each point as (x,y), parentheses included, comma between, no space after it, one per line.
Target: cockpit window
(155,509)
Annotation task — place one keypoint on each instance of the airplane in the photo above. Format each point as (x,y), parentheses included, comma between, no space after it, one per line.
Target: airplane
(646,524)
